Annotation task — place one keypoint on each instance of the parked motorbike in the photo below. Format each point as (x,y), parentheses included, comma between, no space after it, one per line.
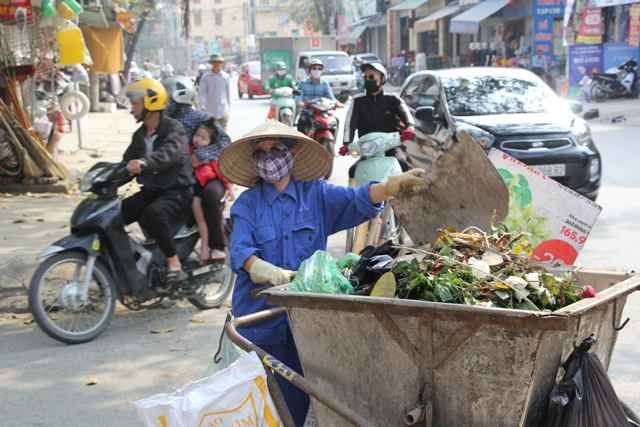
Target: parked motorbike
(73,292)
(318,121)
(617,82)
(283,105)
(374,165)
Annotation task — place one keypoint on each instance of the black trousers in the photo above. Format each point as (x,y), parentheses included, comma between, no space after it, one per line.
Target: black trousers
(211,196)
(159,214)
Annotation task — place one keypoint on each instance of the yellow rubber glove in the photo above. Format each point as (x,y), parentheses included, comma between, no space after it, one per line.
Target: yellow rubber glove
(264,273)
(410,180)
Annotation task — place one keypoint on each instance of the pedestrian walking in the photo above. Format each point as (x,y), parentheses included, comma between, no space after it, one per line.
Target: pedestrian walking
(214,92)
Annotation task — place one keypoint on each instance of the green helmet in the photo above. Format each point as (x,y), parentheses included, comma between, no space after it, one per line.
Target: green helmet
(280,66)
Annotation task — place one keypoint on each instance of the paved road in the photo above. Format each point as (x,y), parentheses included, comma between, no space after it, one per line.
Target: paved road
(43,383)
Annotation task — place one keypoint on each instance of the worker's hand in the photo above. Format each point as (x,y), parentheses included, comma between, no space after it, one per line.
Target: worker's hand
(135,166)
(264,273)
(344,150)
(300,104)
(339,104)
(414,179)
(409,134)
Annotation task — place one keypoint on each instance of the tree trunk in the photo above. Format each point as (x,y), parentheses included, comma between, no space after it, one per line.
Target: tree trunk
(131,46)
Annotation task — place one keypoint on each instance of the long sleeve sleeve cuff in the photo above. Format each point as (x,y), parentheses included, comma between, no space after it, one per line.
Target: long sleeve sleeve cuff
(363,201)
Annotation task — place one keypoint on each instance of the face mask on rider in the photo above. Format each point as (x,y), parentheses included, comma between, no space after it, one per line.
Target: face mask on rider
(316,74)
(371,86)
(280,73)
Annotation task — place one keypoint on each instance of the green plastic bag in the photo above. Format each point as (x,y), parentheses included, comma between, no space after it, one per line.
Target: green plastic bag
(320,274)
(348,260)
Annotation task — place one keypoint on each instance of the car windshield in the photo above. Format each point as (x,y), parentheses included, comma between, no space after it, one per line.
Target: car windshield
(485,95)
(335,64)
(369,58)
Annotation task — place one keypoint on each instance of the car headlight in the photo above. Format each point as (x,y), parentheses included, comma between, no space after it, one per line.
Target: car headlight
(581,131)
(482,137)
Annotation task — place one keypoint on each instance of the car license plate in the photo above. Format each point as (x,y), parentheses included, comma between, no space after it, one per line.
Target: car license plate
(552,170)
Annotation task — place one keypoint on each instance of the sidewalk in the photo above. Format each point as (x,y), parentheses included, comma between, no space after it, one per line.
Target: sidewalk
(29,222)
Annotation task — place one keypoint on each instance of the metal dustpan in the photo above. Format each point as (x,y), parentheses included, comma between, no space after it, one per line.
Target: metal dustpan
(465,190)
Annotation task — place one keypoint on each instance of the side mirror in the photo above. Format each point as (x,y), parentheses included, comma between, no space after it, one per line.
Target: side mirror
(425,114)
(576,107)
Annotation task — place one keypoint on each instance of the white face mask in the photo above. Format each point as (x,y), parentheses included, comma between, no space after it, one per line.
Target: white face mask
(316,74)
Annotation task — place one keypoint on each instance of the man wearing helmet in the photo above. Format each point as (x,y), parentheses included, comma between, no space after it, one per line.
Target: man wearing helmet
(375,111)
(311,88)
(279,79)
(158,157)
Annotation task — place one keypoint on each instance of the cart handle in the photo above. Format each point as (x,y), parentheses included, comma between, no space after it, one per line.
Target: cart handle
(283,370)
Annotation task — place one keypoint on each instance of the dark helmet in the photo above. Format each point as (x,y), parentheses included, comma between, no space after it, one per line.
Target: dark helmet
(377,67)
(315,61)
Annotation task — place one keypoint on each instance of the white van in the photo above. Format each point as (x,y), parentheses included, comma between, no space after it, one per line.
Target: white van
(338,71)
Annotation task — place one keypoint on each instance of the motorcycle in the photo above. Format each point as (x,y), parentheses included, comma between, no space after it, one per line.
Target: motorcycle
(318,121)
(617,82)
(283,105)
(73,291)
(374,165)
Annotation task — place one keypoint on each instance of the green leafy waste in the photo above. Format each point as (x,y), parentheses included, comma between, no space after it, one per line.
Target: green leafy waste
(457,270)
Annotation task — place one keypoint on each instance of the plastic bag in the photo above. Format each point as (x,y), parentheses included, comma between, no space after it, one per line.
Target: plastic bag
(237,395)
(585,396)
(375,261)
(320,274)
(226,354)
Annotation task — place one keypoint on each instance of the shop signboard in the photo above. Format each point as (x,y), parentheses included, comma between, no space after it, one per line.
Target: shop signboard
(591,26)
(583,59)
(634,25)
(544,12)
(615,54)
(607,3)
(557,219)
(12,9)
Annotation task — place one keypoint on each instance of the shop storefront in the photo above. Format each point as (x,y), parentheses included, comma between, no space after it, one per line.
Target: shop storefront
(499,30)
(608,28)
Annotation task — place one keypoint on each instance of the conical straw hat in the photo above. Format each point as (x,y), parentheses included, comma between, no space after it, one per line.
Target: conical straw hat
(312,160)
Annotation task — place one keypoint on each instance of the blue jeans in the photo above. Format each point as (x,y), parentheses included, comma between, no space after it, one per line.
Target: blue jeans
(297,400)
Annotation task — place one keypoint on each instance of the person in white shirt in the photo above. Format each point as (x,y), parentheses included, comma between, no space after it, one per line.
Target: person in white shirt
(214,91)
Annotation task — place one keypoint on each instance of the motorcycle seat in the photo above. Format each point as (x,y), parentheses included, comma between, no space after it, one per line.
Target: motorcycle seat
(183,231)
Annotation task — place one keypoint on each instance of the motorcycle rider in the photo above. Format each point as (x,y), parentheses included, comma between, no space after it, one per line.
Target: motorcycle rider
(158,157)
(375,111)
(280,78)
(311,88)
(181,107)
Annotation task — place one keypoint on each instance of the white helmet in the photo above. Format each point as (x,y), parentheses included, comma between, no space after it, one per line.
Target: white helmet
(184,92)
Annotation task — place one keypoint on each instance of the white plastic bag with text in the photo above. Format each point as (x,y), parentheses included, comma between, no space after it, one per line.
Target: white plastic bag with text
(235,396)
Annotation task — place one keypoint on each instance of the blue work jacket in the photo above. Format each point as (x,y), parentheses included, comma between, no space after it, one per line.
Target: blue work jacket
(285,229)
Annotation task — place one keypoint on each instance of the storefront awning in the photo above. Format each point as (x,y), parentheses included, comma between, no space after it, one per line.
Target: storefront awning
(428,23)
(408,5)
(378,20)
(354,34)
(468,22)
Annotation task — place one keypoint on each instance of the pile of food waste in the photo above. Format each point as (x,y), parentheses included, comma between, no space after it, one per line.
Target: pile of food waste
(470,267)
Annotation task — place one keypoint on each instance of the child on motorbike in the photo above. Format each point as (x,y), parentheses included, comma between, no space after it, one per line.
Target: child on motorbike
(209,189)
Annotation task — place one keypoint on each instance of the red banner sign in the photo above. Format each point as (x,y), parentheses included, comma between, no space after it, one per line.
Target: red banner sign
(12,9)
(591,26)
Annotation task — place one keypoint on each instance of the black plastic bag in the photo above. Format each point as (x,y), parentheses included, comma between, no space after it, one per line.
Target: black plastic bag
(585,396)
(374,262)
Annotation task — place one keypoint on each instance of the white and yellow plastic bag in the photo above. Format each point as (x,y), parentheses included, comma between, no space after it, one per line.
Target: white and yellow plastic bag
(237,395)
